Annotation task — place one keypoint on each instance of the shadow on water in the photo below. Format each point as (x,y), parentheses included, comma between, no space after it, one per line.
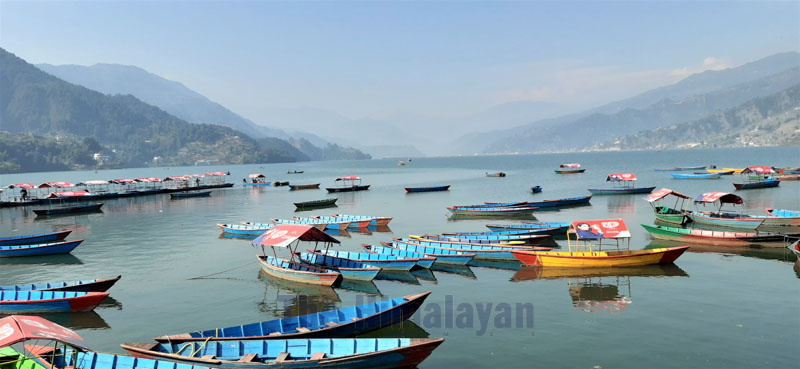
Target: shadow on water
(659,270)
(424,274)
(461,270)
(496,264)
(367,287)
(81,320)
(397,276)
(406,328)
(60,259)
(110,303)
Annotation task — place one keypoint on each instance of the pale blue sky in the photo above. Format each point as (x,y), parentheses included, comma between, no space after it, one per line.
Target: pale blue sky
(373,59)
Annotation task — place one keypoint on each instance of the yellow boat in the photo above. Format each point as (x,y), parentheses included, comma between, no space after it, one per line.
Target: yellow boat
(589,232)
(723,170)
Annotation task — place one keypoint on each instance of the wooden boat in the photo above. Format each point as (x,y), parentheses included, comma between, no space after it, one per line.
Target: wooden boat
(725,171)
(342,322)
(766,183)
(319,224)
(715,238)
(757,177)
(92,285)
(423,261)
(188,194)
(512,239)
(34,238)
(38,249)
(297,272)
(443,256)
(720,172)
(313,186)
(349,269)
(316,204)
(513,232)
(383,261)
(495,174)
(551,228)
(280,184)
(676,169)
(582,254)
(295,172)
(244,230)
(284,236)
(349,184)
(571,168)
(696,175)
(536,189)
(795,249)
(374,221)
(255,179)
(427,189)
(567,201)
(69,210)
(623,183)
(481,251)
(492,211)
(675,215)
(719,218)
(352,223)
(48,301)
(783,213)
(788,177)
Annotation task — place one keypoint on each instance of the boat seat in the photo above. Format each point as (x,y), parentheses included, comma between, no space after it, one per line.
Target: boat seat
(276,333)
(303,330)
(207,357)
(318,356)
(354,319)
(331,324)
(248,358)
(283,356)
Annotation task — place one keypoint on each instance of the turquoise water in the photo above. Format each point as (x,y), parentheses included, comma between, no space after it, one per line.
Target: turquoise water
(734,308)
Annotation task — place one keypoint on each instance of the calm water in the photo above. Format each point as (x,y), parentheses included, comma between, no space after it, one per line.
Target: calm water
(716,308)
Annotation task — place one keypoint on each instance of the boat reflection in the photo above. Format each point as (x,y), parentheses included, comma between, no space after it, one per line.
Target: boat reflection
(367,287)
(658,270)
(424,274)
(397,276)
(461,270)
(766,253)
(622,204)
(284,298)
(597,296)
(110,303)
(76,321)
(60,259)
(406,328)
(496,264)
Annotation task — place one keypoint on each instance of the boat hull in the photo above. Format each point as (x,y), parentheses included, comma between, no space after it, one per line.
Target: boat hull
(348,189)
(34,238)
(95,285)
(69,210)
(754,185)
(600,259)
(315,204)
(443,256)
(569,171)
(740,223)
(317,278)
(620,191)
(38,249)
(259,184)
(696,176)
(427,189)
(314,186)
(181,195)
(51,302)
(713,238)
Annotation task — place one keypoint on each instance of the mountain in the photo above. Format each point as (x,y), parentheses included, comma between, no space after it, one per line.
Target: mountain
(590,129)
(33,102)
(772,120)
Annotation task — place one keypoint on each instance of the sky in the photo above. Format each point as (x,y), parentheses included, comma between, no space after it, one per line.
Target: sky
(373,59)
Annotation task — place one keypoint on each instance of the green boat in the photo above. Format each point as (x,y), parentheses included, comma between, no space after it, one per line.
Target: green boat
(665,214)
(11,359)
(316,204)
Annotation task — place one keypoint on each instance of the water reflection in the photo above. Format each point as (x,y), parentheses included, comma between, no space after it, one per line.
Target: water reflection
(83,216)
(660,270)
(367,287)
(81,320)
(110,303)
(622,204)
(424,274)
(406,328)
(461,270)
(397,276)
(754,251)
(284,298)
(496,264)
(60,259)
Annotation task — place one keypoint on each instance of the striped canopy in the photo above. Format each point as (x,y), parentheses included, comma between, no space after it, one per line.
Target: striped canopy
(760,169)
(211,174)
(660,194)
(722,197)
(93,183)
(282,235)
(27,186)
(55,184)
(147,179)
(64,194)
(348,178)
(256,175)
(570,165)
(617,177)
(21,328)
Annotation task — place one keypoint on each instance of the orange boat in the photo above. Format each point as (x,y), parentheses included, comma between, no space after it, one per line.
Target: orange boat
(590,234)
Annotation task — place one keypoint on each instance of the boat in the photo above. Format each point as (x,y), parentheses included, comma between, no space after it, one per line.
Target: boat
(675,215)
(757,177)
(319,224)
(69,210)
(787,177)
(719,218)
(245,230)
(313,186)
(34,238)
(374,221)
(280,183)
(283,236)
(567,201)
(570,168)
(335,323)
(315,204)
(92,285)
(443,256)
(582,254)
(623,183)
(725,171)
(536,189)
(696,175)
(715,238)
(353,223)
(349,269)
(511,232)
(295,172)
(38,249)
(715,171)
(427,189)
(551,228)
(511,239)
(495,174)
(12,302)
(783,213)
(383,261)
(677,169)
(189,194)
(349,184)
(491,211)
(255,179)
(795,249)
(481,251)
(423,261)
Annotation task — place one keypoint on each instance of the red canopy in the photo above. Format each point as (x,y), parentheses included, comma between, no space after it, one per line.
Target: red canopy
(256,175)
(93,183)
(570,165)
(20,328)
(282,235)
(660,194)
(175,178)
(722,197)
(760,169)
(211,174)
(601,228)
(348,178)
(22,185)
(122,181)
(621,177)
(67,194)
(193,175)
(55,184)
(147,179)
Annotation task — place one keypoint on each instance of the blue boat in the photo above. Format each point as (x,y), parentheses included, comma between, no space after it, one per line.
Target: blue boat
(783,213)
(513,232)
(351,222)
(256,179)
(568,201)
(493,238)
(481,251)
(385,262)
(92,285)
(678,169)
(244,230)
(536,189)
(373,221)
(696,176)
(38,249)
(424,261)
(257,184)
(12,302)
(443,256)
(622,185)
(34,238)
(551,228)
(492,211)
(69,210)
(342,322)
(765,183)
(349,269)
(427,189)
(316,223)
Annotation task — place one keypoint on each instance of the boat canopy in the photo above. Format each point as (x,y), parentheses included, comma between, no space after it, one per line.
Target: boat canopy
(760,169)
(256,175)
(147,179)
(122,181)
(348,178)
(600,228)
(722,197)
(282,235)
(93,183)
(212,174)
(660,194)
(26,186)
(193,176)
(63,194)
(55,184)
(570,165)
(175,178)
(620,177)
(20,328)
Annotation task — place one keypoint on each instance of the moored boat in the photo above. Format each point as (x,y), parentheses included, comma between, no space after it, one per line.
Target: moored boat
(39,249)
(283,236)
(48,301)
(757,177)
(316,204)
(312,186)
(551,228)
(481,251)
(34,238)
(570,168)
(567,201)
(674,215)
(715,238)
(528,239)
(349,269)
(427,189)
(624,185)
(719,218)
(491,211)
(423,261)
(255,179)
(696,175)
(92,285)
(189,194)
(375,220)
(676,169)
(78,209)
(349,184)
(245,230)
(536,189)
(495,174)
(317,223)
(383,261)
(443,256)
(297,272)
(352,222)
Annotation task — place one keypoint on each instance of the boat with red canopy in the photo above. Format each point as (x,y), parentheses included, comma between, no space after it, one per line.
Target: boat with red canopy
(284,236)
(623,184)
(255,179)
(570,168)
(719,218)
(349,184)
(757,177)
(671,215)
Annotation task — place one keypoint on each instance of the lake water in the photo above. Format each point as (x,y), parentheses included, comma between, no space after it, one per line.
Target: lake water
(715,308)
